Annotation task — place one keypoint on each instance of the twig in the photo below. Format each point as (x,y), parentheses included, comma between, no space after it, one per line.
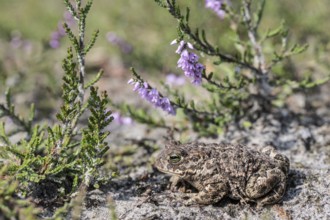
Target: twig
(259,57)
(15,118)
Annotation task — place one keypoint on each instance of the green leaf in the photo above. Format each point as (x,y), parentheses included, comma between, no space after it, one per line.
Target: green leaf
(15,152)
(92,42)
(71,37)
(210,76)
(87,7)
(187,15)
(276,31)
(247,124)
(192,104)
(3,135)
(297,49)
(8,98)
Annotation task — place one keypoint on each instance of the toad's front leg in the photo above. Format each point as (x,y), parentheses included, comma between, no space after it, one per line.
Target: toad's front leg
(178,184)
(211,193)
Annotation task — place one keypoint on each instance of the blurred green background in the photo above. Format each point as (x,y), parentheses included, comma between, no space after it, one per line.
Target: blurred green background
(34,68)
(135,19)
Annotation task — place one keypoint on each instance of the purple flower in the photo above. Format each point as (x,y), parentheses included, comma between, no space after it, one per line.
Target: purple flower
(182,46)
(188,62)
(54,43)
(175,80)
(216,6)
(124,46)
(18,42)
(153,96)
(117,117)
(56,36)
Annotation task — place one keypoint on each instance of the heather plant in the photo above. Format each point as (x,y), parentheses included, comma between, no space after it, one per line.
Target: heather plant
(50,162)
(240,85)
(11,206)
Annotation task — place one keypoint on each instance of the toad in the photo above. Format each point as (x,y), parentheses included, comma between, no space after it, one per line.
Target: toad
(226,170)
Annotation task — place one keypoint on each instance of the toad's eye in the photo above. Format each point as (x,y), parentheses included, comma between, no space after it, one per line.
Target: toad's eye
(175,158)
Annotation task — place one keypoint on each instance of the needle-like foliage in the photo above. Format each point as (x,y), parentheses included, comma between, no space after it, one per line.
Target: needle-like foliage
(50,163)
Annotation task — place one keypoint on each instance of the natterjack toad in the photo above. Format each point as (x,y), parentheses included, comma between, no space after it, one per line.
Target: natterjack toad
(220,170)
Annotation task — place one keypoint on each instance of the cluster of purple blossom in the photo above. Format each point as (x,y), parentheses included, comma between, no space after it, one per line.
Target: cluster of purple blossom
(172,79)
(121,120)
(216,6)
(188,62)
(152,96)
(57,35)
(17,41)
(123,45)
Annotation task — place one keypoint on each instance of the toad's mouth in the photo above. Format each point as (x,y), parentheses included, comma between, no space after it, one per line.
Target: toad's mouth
(159,168)
(167,171)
